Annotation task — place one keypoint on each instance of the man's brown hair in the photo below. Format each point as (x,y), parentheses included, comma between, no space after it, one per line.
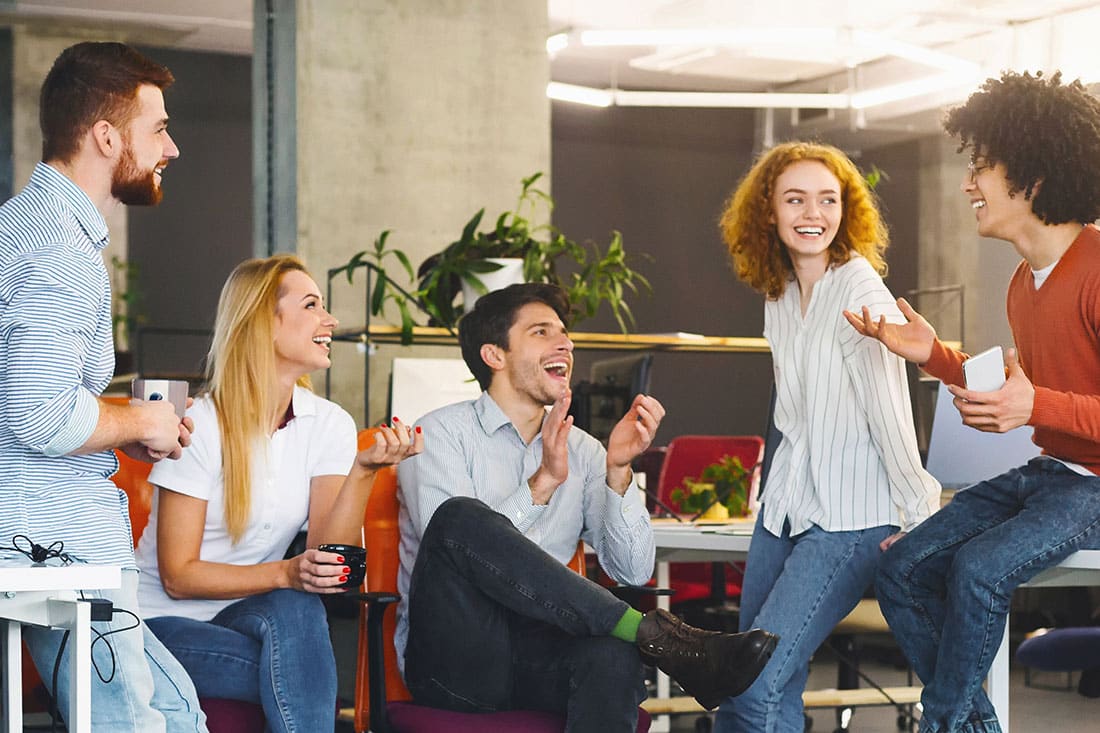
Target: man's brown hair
(89,82)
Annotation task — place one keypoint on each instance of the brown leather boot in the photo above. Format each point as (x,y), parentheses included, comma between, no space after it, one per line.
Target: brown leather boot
(709,665)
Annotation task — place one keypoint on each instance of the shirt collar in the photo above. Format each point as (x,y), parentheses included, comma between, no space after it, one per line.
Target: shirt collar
(87,215)
(492,418)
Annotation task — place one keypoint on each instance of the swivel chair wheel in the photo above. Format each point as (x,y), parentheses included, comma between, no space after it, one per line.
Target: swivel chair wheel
(703,724)
(807,723)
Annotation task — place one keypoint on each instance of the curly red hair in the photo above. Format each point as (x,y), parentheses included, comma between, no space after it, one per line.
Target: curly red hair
(759,257)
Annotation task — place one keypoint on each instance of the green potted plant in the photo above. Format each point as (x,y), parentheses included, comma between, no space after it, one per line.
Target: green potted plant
(720,491)
(598,275)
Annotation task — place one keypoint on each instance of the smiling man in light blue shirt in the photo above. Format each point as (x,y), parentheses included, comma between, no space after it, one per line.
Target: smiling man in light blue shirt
(491,619)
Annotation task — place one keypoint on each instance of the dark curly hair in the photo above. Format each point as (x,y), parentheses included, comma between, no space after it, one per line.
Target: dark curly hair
(1044,132)
(760,259)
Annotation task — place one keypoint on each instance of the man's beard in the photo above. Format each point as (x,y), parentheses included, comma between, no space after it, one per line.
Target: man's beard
(132,186)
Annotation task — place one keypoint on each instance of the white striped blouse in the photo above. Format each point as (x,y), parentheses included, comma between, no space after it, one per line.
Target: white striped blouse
(56,357)
(848,459)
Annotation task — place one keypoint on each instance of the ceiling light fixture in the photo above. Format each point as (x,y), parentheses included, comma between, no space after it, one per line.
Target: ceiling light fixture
(578,94)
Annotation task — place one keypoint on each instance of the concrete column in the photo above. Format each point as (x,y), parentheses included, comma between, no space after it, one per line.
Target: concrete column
(411,115)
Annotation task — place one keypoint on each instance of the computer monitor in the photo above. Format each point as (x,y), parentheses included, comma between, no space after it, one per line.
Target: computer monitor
(600,401)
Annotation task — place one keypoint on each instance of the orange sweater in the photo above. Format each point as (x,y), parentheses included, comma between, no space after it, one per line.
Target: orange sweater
(1057,334)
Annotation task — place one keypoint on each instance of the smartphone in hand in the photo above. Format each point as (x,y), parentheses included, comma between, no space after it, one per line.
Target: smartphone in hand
(985,372)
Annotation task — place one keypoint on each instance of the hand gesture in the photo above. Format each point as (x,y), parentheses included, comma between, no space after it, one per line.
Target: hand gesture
(1002,410)
(554,468)
(392,444)
(630,438)
(912,341)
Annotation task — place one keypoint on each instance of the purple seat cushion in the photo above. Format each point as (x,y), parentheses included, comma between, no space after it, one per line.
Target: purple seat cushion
(407,717)
(232,716)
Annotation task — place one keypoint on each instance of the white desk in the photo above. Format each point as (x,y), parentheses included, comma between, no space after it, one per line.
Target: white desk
(679,544)
(47,596)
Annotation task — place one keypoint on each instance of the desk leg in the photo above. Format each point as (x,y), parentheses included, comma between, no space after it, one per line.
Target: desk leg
(12,655)
(76,616)
(997,681)
(662,722)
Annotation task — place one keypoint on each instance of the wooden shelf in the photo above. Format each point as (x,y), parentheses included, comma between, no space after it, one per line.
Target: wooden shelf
(384,334)
(424,335)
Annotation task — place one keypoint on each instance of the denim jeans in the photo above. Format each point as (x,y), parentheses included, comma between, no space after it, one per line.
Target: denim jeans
(273,649)
(799,588)
(495,623)
(946,587)
(149,692)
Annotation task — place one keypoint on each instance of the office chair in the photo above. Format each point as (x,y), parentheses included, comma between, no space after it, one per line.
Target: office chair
(708,587)
(382,702)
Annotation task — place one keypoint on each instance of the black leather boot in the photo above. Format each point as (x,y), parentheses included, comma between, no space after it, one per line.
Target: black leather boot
(709,665)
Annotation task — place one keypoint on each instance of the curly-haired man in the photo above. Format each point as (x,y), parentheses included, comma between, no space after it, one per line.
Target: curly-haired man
(946,587)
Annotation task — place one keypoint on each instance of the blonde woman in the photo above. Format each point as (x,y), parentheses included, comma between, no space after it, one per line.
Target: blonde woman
(803,229)
(269,457)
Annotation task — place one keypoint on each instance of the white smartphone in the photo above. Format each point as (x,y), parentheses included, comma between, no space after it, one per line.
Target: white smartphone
(985,372)
(173,390)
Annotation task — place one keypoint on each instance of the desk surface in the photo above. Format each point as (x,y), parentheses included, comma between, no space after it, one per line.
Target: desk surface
(26,577)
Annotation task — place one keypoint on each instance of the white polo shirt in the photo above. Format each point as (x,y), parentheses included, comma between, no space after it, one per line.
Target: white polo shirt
(319,441)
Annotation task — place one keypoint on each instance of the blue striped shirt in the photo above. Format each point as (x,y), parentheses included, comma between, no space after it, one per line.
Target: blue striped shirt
(56,357)
(472,449)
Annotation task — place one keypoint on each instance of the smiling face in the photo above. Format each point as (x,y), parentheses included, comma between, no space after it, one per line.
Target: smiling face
(302,327)
(807,211)
(998,214)
(147,148)
(538,363)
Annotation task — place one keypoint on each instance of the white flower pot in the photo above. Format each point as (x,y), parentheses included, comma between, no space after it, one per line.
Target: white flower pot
(511,272)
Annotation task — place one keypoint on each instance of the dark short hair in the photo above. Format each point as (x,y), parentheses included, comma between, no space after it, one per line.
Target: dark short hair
(1044,132)
(495,314)
(89,82)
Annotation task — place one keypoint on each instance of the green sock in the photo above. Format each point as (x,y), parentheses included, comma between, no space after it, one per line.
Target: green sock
(627,628)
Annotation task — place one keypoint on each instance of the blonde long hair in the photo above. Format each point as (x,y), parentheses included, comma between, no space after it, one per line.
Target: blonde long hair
(240,374)
(758,255)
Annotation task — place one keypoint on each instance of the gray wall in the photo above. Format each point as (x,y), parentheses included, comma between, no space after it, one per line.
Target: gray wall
(661,176)
(186,247)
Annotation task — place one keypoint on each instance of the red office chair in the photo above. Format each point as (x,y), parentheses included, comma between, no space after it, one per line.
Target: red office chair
(382,702)
(705,584)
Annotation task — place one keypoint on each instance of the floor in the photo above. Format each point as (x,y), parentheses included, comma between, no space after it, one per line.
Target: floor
(1045,707)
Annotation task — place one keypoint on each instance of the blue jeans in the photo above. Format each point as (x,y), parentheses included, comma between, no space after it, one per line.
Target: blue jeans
(495,623)
(273,649)
(150,691)
(799,588)
(946,587)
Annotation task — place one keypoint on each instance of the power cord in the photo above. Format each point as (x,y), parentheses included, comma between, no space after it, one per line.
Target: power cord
(102,610)
(38,554)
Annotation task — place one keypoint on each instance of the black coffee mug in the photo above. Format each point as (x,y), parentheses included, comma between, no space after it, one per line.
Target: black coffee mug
(355,558)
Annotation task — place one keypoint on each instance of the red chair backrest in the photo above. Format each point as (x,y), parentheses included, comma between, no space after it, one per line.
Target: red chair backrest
(687,455)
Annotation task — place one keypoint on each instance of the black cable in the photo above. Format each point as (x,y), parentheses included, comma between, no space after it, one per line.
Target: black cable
(54,714)
(38,554)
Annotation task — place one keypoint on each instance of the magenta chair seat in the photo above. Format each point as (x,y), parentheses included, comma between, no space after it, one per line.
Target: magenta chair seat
(232,716)
(407,717)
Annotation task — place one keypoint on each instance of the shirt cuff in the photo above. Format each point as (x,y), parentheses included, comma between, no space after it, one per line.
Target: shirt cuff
(629,507)
(520,510)
(80,426)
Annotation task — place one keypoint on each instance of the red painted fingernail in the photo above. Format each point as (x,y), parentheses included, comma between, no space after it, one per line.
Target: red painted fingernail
(346,571)
(394,419)
(340,559)
(382,425)
(343,578)
(418,429)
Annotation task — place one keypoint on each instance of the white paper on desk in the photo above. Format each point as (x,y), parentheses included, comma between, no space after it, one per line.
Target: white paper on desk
(422,385)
